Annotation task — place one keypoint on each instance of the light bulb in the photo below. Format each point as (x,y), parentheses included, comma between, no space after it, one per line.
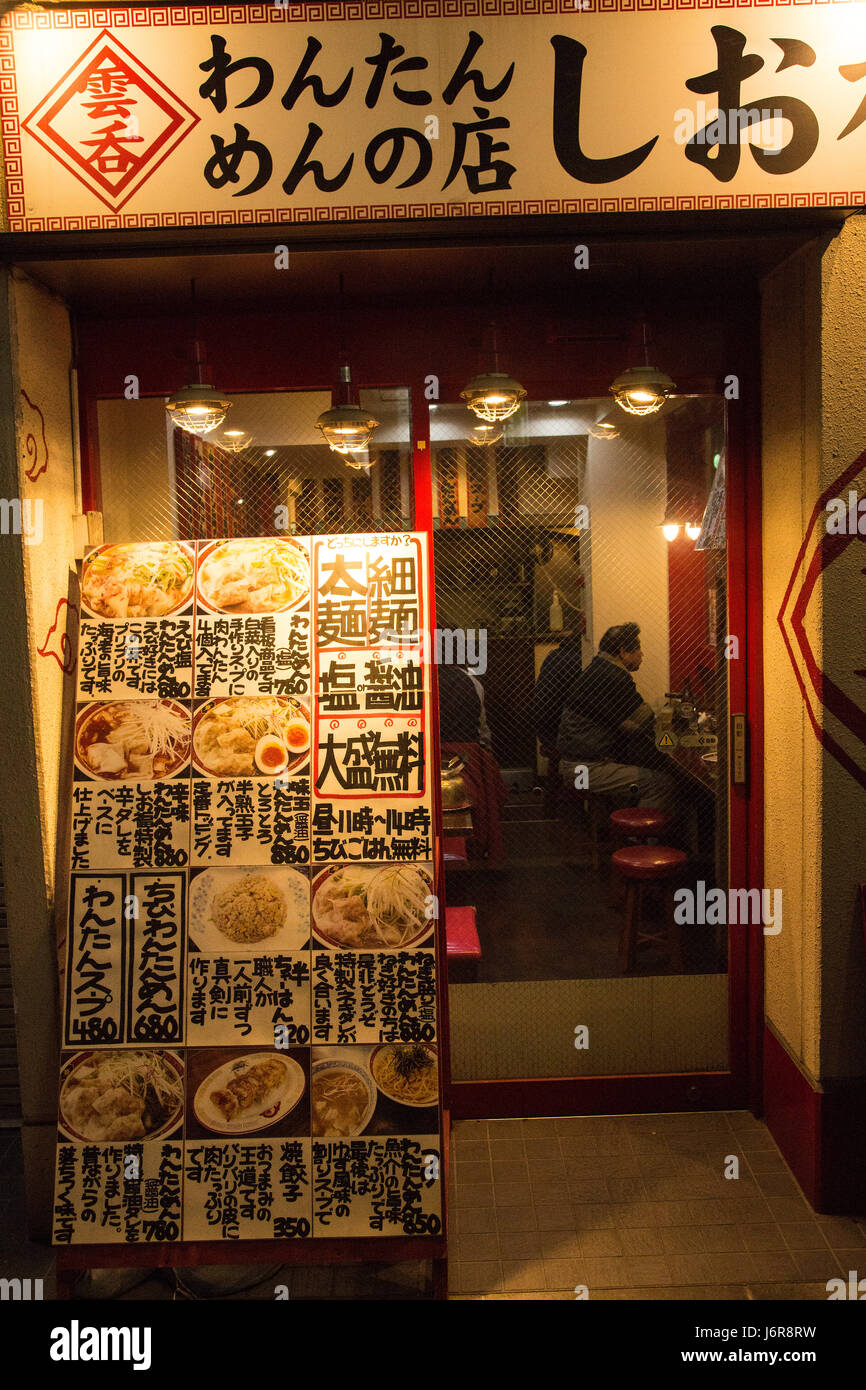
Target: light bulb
(670,530)
(692,530)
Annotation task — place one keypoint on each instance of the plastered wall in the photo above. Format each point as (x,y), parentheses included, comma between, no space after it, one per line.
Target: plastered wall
(814,428)
(843,849)
(36,468)
(41,365)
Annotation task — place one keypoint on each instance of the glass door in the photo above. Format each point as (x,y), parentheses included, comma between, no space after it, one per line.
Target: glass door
(581,569)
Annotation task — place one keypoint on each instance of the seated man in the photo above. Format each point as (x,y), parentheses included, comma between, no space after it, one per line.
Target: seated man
(605,726)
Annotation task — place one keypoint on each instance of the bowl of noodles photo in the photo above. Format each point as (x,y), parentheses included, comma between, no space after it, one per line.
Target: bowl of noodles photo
(132,740)
(233,910)
(251,736)
(363,908)
(138,580)
(122,1095)
(407,1073)
(343,1098)
(253,576)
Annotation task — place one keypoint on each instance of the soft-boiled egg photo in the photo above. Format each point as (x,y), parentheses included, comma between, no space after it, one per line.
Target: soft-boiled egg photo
(298,735)
(271,755)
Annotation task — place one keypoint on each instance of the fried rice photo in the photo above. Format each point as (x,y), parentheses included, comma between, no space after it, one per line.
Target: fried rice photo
(252,909)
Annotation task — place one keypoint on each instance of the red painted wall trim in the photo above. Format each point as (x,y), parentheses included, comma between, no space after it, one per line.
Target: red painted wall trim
(746,695)
(842,1153)
(792,1111)
(822,1133)
(422,500)
(592,1095)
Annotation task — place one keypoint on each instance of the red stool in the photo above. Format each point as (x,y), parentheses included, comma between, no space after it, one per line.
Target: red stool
(649,864)
(462,944)
(639,823)
(629,824)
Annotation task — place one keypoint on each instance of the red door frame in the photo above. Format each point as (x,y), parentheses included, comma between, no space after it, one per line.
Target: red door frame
(740,1085)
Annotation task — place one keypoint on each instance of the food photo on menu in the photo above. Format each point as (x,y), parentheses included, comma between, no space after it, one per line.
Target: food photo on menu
(388,1088)
(251,736)
(120,1094)
(138,580)
(252,576)
(233,909)
(361,907)
(235,1092)
(132,740)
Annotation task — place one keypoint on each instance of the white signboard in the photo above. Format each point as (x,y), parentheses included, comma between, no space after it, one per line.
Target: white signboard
(219,114)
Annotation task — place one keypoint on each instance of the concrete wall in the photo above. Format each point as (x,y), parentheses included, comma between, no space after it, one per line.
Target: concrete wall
(814,427)
(35,440)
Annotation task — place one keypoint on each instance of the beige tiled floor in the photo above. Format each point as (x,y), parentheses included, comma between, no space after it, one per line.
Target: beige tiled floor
(636,1207)
(633,1207)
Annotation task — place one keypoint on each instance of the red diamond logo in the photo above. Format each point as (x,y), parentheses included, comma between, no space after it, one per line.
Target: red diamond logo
(835,704)
(110,121)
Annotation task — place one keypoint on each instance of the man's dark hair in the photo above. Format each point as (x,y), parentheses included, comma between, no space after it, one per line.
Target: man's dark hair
(623,637)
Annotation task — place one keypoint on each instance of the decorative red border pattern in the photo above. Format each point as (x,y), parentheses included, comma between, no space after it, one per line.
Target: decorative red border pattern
(367,212)
(360,11)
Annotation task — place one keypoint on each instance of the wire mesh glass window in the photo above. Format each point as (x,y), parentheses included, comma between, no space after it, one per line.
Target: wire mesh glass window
(544,541)
(265,471)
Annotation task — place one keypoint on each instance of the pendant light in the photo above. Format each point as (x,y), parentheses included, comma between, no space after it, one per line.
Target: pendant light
(680,518)
(346,427)
(233,441)
(197,408)
(493,396)
(642,390)
(604,427)
(484,433)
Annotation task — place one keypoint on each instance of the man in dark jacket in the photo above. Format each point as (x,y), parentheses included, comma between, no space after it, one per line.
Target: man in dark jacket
(559,670)
(605,726)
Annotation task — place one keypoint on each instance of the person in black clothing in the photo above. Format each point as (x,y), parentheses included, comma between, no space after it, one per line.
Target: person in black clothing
(459,707)
(605,725)
(559,670)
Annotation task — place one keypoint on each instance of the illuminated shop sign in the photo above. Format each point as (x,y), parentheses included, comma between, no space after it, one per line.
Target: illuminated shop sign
(206,115)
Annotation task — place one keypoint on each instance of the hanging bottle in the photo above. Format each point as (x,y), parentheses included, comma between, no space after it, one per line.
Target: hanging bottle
(555,619)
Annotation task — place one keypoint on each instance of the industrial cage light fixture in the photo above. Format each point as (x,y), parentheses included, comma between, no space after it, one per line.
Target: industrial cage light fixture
(642,390)
(346,427)
(493,396)
(197,408)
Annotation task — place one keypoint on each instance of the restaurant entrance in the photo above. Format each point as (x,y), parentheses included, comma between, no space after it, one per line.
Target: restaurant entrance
(543,540)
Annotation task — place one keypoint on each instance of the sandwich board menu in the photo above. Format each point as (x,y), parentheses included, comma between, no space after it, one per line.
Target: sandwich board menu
(250,1045)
